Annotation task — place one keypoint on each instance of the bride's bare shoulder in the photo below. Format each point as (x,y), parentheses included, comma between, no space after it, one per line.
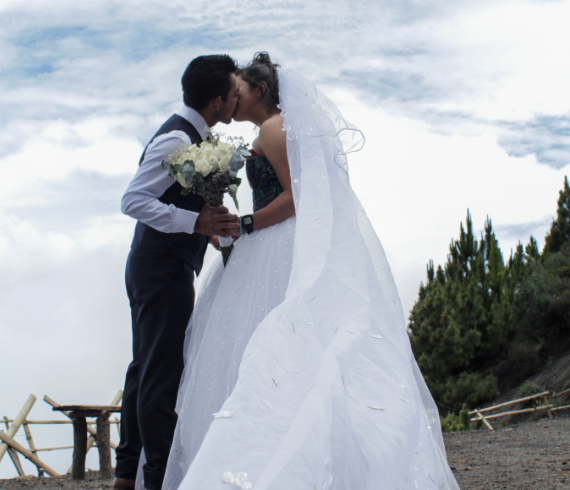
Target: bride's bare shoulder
(272,128)
(272,140)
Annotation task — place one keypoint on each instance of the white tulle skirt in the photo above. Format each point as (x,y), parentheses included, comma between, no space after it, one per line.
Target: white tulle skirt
(259,438)
(231,303)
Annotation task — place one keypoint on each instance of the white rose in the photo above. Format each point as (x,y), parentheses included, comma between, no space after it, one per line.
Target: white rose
(214,163)
(207,151)
(192,155)
(227,147)
(203,166)
(225,161)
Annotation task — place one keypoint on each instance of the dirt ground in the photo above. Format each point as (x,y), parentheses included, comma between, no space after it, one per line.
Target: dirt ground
(60,482)
(524,456)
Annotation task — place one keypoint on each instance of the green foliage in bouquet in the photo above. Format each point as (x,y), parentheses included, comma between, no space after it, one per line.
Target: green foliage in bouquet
(212,187)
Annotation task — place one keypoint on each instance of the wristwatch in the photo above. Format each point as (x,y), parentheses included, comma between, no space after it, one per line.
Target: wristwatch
(246,224)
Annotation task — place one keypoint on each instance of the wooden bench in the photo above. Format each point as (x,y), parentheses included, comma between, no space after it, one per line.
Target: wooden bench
(79,414)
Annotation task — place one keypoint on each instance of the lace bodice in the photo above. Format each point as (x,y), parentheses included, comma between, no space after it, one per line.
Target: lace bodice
(263,181)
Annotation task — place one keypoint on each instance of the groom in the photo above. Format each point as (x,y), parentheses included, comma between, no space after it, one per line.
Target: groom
(171,237)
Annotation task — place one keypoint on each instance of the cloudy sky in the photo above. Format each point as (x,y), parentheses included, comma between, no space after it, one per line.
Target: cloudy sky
(464,105)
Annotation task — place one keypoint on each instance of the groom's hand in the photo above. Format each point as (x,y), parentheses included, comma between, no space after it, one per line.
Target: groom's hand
(216,221)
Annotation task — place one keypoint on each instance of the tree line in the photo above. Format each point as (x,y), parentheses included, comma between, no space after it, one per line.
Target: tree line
(481,323)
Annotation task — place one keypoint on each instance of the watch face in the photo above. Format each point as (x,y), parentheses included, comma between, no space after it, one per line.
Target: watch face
(247,220)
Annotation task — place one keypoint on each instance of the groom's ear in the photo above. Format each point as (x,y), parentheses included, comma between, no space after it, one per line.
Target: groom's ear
(216,103)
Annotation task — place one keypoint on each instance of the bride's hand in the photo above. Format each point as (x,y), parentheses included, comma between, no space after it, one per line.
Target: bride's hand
(234,233)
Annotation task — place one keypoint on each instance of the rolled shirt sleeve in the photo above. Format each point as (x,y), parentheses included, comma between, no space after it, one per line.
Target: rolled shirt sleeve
(141,199)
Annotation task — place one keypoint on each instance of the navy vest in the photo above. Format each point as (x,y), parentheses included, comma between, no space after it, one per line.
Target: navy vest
(188,247)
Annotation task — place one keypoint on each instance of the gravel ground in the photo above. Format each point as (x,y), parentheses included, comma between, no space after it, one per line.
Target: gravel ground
(61,482)
(525,456)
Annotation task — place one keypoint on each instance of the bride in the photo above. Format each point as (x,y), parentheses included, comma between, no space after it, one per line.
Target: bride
(299,373)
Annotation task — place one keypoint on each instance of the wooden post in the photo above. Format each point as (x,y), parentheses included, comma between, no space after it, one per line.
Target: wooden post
(16,460)
(563,392)
(118,426)
(546,405)
(489,426)
(118,398)
(79,448)
(27,454)
(91,430)
(103,439)
(80,441)
(32,446)
(91,440)
(11,432)
(54,404)
(13,454)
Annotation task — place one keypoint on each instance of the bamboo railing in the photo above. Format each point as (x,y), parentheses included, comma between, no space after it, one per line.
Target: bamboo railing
(555,396)
(14,448)
(549,407)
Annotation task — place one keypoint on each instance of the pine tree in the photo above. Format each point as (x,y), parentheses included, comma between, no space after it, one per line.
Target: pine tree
(478,309)
(463,319)
(531,249)
(560,229)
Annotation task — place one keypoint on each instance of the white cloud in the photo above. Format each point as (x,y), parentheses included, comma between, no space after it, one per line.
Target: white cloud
(24,248)
(61,148)
(416,186)
(508,57)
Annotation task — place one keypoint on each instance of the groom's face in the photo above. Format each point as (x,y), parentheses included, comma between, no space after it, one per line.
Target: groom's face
(225,112)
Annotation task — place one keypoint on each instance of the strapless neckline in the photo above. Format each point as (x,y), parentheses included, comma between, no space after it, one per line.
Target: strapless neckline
(263,180)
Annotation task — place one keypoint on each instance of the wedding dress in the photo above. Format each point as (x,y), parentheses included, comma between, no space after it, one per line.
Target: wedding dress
(299,372)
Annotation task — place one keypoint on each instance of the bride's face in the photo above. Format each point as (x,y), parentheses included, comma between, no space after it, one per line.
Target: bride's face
(248,98)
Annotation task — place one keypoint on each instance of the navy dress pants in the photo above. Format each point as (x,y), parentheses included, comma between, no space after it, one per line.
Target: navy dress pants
(161,295)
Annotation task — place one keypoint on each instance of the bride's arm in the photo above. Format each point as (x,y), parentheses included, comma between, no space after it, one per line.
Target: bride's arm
(273,145)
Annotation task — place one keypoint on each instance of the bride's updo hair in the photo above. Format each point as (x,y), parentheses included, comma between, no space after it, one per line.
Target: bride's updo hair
(262,69)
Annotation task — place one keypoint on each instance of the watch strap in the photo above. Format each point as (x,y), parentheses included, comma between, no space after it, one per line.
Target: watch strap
(246,224)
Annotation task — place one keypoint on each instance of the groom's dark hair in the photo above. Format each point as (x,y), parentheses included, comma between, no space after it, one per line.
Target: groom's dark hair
(205,78)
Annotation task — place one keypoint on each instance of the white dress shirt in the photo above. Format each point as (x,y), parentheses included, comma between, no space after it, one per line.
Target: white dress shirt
(140,200)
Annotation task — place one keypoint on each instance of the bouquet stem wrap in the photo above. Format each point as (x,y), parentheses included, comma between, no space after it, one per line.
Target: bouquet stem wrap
(226,247)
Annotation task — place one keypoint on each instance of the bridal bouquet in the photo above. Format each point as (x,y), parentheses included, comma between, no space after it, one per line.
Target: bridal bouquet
(210,170)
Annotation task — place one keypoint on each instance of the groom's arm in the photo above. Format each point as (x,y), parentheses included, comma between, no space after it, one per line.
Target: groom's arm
(141,199)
